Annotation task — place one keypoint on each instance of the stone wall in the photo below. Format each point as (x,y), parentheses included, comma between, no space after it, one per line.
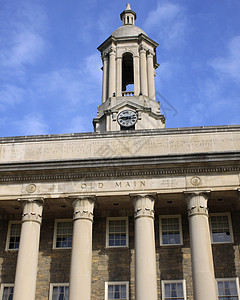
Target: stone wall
(173,262)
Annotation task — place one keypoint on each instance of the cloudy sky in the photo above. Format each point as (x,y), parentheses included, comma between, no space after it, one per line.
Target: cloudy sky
(50,69)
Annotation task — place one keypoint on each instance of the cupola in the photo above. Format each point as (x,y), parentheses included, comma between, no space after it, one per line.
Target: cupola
(128,16)
(128,87)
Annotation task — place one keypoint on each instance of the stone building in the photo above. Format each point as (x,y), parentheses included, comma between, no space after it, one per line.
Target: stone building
(131,211)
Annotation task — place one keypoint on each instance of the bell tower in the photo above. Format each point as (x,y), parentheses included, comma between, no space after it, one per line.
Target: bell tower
(128,88)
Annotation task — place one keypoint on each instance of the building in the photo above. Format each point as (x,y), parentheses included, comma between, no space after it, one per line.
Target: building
(131,211)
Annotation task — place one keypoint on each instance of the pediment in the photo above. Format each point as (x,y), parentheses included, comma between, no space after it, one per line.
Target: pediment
(128,105)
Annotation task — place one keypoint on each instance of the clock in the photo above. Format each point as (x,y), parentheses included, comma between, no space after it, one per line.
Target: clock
(127,118)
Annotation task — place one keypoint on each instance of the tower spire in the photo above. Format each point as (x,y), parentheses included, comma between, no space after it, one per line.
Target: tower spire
(128,16)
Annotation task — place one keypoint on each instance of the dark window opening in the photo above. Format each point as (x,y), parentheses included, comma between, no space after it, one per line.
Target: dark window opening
(127,72)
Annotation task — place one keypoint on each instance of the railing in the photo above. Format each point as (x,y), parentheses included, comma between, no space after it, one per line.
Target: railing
(127,94)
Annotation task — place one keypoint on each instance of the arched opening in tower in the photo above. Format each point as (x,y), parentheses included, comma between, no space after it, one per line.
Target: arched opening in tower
(127,72)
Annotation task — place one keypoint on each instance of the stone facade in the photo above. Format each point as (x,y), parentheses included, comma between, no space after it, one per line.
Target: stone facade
(144,208)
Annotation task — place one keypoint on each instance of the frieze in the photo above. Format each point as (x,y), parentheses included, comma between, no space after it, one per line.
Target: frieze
(137,145)
(112,174)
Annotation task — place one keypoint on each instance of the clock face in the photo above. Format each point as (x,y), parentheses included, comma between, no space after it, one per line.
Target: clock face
(127,118)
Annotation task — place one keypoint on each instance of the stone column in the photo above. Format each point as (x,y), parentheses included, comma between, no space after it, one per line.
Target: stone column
(104,82)
(201,251)
(150,70)
(136,75)
(112,72)
(143,72)
(27,261)
(81,259)
(145,255)
(119,76)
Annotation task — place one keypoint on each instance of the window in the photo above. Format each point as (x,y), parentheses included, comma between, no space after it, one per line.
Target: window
(116,290)
(13,236)
(127,71)
(170,230)
(117,232)
(221,228)
(59,291)
(7,291)
(228,288)
(174,290)
(63,234)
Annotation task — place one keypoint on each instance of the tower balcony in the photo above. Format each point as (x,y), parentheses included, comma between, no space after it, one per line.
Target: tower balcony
(127,94)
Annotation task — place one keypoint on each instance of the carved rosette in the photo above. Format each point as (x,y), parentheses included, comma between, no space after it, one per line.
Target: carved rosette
(197,203)
(32,210)
(143,205)
(83,207)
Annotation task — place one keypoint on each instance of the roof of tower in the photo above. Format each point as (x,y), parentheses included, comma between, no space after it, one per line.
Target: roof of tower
(128,28)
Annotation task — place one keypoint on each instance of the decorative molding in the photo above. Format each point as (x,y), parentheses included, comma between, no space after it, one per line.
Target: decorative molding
(96,175)
(32,210)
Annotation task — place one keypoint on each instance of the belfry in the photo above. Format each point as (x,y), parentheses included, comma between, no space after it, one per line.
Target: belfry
(128,88)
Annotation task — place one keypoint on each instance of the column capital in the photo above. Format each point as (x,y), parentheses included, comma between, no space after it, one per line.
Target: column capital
(150,53)
(143,204)
(104,56)
(32,209)
(197,202)
(112,50)
(83,207)
(142,49)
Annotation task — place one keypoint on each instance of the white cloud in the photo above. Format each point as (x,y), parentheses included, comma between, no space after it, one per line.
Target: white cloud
(70,85)
(78,124)
(31,125)
(170,21)
(26,47)
(93,67)
(230,64)
(212,103)
(10,95)
(22,29)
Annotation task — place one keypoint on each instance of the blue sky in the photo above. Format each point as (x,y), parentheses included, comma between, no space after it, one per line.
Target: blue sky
(50,68)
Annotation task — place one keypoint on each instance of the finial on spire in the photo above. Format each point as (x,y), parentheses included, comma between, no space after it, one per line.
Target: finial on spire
(128,7)
(128,16)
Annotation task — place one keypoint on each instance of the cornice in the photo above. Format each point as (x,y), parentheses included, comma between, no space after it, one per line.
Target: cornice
(95,135)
